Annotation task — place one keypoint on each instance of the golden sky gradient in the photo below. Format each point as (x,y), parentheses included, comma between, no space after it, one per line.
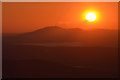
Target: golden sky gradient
(21,17)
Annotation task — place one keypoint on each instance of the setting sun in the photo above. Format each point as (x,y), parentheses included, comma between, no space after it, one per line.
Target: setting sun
(91,17)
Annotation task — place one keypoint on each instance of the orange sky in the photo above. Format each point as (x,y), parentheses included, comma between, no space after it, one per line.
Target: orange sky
(21,17)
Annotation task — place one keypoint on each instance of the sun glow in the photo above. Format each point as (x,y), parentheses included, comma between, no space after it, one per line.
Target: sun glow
(91,17)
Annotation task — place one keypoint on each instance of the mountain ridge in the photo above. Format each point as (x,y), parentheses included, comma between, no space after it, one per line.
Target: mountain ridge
(56,34)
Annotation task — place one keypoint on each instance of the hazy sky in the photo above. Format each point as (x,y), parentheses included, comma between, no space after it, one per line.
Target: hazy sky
(0,17)
(60,0)
(25,17)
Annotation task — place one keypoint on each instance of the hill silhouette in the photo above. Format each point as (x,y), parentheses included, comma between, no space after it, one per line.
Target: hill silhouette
(56,34)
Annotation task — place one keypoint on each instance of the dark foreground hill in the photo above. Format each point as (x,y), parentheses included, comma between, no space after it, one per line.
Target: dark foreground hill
(25,61)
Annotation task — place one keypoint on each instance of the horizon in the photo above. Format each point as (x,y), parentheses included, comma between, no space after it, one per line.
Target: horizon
(64,29)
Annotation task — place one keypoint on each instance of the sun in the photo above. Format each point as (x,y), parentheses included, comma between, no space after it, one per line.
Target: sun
(91,17)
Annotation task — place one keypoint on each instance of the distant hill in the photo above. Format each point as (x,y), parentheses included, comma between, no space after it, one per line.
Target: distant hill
(55,34)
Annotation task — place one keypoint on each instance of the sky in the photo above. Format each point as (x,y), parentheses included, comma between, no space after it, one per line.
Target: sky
(26,17)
